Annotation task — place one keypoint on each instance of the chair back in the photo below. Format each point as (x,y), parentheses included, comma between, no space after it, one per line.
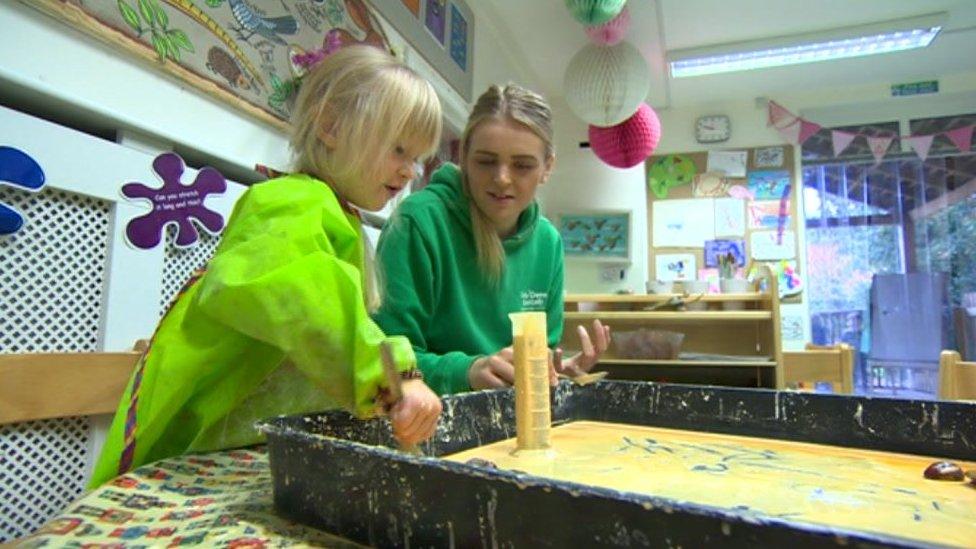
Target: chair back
(957,379)
(820,363)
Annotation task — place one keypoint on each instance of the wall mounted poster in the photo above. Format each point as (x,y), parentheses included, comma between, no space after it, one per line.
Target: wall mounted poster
(435,18)
(683,223)
(715,248)
(769,214)
(766,245)
(731,163)
(244,52)
(596,235)
(730,217)
(769,157)
(769,185)
(669,267)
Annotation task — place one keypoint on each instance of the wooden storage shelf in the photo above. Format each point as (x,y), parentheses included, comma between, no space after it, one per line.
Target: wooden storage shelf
(753,330)
(673,316)
(679,362)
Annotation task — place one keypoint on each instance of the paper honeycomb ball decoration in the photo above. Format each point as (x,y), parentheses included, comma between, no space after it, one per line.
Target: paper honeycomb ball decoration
(629,143)
(594,12)
(612,32)
(605,85)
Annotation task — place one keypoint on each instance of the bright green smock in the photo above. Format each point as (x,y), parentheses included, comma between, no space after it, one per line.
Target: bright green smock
(276,325)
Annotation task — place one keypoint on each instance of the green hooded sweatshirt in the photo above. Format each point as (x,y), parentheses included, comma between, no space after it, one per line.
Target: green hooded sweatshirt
(277,324)
(434,293)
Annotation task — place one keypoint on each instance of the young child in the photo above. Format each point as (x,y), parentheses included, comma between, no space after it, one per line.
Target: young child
(278,322)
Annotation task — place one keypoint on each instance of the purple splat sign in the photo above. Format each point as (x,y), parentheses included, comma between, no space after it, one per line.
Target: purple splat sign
(174,202)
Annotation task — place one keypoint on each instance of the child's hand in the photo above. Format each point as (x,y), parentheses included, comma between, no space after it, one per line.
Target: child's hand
(415,416)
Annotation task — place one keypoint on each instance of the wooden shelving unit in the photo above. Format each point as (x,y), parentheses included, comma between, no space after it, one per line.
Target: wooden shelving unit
(745,343)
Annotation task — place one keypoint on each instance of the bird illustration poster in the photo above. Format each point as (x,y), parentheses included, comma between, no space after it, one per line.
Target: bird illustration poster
(674,267)
(249,53)
(596,235)
(683,223)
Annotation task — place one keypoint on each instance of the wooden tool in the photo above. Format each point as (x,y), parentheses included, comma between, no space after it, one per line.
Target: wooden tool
(532,413)
(396,390)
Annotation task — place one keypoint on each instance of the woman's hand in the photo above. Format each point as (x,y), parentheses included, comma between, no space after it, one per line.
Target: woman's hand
(584,361)
(414,416)
(493,371)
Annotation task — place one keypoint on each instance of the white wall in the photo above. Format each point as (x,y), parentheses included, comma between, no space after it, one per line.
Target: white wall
(583,183)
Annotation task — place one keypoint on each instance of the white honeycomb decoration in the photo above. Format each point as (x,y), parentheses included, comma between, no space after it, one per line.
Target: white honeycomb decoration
(179,263)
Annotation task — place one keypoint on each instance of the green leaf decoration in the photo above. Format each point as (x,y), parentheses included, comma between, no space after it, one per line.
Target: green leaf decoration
(159,45)
(130,16)
(180,39)
(147,12)
(161,16)
(171,49)
(669,171)
(275,82)
(214,3)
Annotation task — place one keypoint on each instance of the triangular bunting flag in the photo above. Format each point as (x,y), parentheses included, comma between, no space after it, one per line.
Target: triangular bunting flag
(807,129)
(841,140)
(779,116)
(920,144)
(962,138)
(879,146)
(791,132)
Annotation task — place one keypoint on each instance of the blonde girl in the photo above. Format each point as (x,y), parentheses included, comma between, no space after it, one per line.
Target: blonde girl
(278,323)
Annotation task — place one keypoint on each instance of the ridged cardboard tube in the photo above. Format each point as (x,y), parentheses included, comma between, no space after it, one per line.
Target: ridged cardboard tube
(532,416)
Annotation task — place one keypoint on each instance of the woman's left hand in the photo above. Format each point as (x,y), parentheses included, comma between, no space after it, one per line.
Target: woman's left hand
(584,361)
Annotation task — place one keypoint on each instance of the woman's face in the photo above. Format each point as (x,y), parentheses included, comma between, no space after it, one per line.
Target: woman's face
(504,163)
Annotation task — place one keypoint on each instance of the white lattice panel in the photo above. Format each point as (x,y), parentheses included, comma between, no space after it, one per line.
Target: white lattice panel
(51,277)
(179,263)
(52,272)
(42,470)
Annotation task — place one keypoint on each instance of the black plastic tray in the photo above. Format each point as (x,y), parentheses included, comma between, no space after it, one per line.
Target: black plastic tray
(341,475)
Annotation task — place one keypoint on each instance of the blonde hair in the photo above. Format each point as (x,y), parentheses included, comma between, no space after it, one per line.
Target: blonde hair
(519,105)
(372,103)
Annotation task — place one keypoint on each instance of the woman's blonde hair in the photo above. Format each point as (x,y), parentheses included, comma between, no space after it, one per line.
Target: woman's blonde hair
(497,103)
(372,103)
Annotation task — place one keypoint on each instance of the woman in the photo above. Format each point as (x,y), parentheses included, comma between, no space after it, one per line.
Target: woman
(471,247)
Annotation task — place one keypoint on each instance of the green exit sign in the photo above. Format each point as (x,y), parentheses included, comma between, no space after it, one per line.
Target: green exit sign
(915,88)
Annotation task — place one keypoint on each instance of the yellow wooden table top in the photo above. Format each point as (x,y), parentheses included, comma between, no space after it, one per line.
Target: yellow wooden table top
(862,490)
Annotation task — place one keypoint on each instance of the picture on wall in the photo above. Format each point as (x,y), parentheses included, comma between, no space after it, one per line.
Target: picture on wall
(413,6)
(435,19)
(459,38)
(669,267)
(769,185)
(246,57)
(599,235)
(441,31)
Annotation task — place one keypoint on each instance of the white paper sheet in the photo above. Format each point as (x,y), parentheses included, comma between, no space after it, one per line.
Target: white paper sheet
(730,217)
(674,267)
(732,163)
(765,245)
(683,223)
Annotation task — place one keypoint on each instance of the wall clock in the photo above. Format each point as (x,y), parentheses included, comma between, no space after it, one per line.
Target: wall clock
(713,128)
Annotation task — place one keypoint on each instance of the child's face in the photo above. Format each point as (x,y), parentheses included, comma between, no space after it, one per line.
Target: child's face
(505,163)
(392,172)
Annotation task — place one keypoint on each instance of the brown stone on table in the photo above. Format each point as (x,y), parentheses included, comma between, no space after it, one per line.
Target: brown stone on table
(943,470)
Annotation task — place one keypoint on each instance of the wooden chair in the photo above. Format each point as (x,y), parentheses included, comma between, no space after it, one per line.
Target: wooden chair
(957,379)
(833,363)
(50,385)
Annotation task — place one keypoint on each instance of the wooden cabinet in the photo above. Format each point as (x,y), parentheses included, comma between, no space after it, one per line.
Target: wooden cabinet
(721,346)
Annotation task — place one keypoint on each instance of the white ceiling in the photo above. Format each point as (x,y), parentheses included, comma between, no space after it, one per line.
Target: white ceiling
(541,37)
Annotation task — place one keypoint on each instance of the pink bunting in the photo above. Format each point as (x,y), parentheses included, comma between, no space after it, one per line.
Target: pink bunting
(807,129)
(920,144)
(791,132)
(879,146)
(962,138)
(841,140)
(779,116)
